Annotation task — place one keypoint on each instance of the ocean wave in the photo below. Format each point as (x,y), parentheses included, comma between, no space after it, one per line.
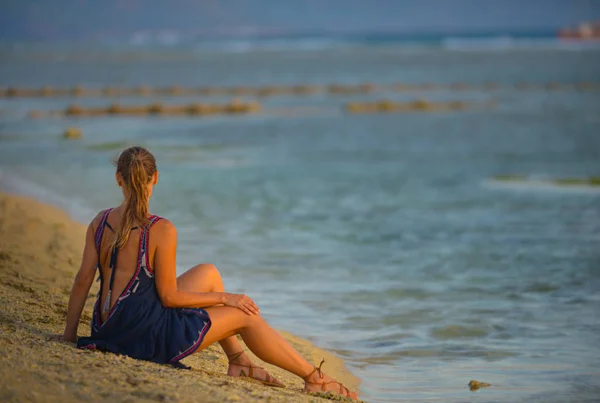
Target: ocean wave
(457,332)
(507,42)
(275,44)
(330,41)
(238,44)
(539,184)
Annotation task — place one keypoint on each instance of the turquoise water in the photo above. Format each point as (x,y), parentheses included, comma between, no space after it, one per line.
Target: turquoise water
(380,237)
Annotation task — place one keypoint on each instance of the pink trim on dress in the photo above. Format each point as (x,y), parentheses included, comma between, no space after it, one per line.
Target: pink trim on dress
(192,349)
(153,220)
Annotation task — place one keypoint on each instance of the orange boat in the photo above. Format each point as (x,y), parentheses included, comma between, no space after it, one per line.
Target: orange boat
(584,31)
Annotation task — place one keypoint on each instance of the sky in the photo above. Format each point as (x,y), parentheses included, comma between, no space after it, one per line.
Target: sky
(97,19)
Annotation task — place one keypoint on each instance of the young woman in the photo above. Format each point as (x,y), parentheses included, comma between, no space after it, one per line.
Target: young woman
(144,311)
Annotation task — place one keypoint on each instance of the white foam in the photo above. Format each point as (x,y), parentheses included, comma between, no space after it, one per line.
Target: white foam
(508,43)
(540,185)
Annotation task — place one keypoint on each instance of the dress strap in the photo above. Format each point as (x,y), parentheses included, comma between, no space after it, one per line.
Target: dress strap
(100,231)
(113,265)
(152,220)
(98,241)
(109,226)
(145,242)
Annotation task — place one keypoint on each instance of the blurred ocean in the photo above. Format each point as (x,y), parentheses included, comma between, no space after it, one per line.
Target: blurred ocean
(380,237)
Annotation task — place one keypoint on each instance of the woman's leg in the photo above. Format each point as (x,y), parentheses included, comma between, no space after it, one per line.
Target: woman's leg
(227,322)
(267,344)
(205,277)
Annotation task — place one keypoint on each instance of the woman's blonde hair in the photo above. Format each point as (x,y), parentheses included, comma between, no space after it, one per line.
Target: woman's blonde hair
(136,165)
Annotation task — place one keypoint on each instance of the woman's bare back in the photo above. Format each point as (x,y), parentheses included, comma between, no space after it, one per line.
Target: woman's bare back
(126,264)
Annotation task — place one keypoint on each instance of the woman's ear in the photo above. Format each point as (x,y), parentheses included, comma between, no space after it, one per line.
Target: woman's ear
(119,180)
(155,178)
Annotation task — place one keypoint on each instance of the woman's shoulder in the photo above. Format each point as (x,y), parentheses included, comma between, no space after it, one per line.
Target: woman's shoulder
(99,217)
(163,232)
(162,225)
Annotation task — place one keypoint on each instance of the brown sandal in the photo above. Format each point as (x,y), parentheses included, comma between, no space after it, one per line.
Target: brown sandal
(343,391)
(269,381)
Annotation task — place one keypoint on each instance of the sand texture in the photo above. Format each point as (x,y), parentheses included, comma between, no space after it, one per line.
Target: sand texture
(40,251)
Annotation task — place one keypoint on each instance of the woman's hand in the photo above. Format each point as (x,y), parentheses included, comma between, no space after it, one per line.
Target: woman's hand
(242,302)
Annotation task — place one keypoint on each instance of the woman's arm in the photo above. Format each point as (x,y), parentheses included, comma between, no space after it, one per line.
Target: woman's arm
(166,278)
(81,286)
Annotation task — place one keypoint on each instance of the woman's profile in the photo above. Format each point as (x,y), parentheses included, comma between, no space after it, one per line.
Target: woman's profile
(145,311)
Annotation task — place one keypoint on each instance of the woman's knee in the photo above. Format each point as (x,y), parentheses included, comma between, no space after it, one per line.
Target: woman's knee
(244,320)
(204,277)
(254,320)
(209,270)
(232,318)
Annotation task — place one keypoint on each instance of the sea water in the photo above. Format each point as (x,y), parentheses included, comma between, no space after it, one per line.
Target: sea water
(383,238)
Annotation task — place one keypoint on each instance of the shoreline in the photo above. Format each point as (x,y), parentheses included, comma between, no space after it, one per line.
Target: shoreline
(40,250)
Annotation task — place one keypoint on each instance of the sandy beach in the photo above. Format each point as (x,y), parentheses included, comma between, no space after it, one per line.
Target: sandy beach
(40,250)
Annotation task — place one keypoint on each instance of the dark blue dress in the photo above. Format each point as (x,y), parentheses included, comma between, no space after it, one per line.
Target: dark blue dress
(138,325)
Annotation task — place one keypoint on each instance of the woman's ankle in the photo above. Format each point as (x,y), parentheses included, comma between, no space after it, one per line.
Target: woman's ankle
(315,377)
(238,358)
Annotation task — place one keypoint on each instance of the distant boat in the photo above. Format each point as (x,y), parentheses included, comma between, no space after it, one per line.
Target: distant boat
(584,32)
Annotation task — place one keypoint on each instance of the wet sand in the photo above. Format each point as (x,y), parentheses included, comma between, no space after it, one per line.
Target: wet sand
(40,251)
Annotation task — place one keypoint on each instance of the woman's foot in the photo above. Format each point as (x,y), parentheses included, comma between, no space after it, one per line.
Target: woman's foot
(240,365)
(317,381)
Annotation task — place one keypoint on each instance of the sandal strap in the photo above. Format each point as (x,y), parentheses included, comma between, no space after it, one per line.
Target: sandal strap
(317,369)
(268,377)
(344,391)
(250,367)
(324,385)
(235,356)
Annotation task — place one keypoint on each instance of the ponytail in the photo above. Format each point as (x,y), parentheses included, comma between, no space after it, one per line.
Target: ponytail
(136,165)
